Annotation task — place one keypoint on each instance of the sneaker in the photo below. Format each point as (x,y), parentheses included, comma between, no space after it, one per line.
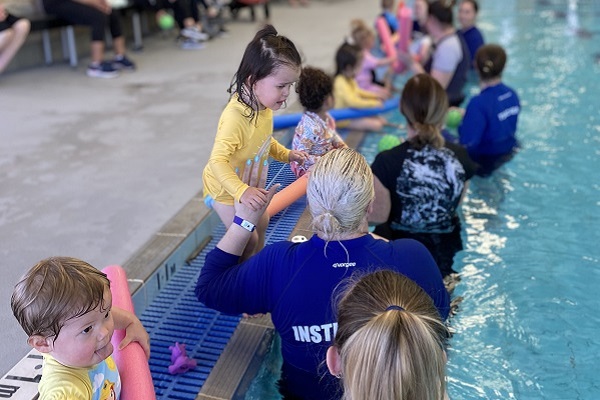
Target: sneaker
(122,62)
(190,44)
(194,33)
(104,69)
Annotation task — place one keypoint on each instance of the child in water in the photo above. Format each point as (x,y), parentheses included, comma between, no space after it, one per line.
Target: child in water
(315,133)
(488,129)
(238,164)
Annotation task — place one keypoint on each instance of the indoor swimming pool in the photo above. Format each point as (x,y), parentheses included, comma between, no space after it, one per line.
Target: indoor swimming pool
(527,327)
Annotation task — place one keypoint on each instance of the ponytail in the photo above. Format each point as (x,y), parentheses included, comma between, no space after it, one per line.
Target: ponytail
(264,54)
(339,191)
(424,104)
(391,340)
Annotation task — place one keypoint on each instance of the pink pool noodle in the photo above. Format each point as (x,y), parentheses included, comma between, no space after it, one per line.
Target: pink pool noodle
(405,25)
(136,380)
(385,35)
(288,195)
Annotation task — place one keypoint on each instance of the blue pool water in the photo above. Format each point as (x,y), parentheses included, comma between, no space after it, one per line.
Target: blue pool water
(528,325)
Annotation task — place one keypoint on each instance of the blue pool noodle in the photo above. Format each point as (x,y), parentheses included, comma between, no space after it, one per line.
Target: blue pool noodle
(289,120)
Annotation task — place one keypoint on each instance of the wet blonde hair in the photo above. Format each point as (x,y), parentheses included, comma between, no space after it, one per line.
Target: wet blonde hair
(424,104)
(339,191)
(55,290)
(390,353)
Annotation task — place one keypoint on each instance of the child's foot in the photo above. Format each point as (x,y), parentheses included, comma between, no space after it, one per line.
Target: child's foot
(102,69)
(120,62)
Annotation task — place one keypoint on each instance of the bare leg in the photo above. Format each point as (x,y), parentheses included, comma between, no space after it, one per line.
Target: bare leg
(119,45)
(373,124)
(98,51)
(11,41)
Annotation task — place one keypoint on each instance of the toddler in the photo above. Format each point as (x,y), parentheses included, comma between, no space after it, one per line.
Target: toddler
(238,164)
(346,92)
(64,306)
(315,133)
(364,37)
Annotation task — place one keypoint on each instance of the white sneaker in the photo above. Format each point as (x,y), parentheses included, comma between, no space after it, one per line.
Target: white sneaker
(190,44)
(102,70)
(194,33)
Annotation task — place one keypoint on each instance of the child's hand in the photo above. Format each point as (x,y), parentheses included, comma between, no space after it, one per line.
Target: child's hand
(298,156)
(134,331)
(254,198)
(253,215)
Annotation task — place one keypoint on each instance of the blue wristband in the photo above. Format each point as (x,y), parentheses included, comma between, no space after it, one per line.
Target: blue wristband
(247,225)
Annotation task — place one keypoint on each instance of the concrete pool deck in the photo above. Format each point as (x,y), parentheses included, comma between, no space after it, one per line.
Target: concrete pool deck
(93,168)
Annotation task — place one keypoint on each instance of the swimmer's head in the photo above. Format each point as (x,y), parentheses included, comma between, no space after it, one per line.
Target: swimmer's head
(490,60)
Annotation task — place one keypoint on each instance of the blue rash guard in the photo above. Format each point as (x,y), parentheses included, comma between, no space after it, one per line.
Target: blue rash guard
(473,39)
(488,129)
(295,283)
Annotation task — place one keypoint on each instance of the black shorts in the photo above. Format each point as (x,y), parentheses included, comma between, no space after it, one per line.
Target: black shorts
(8,22)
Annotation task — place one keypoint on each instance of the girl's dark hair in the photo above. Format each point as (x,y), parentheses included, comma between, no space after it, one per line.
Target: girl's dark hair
(442,12)
(346,56)
(490,60)
(313,88)
(263,55)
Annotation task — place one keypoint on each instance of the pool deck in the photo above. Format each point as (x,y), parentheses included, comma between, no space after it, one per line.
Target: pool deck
(96,169)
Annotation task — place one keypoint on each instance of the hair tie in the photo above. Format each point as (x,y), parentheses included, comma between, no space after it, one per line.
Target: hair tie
(394,307)
(488,65)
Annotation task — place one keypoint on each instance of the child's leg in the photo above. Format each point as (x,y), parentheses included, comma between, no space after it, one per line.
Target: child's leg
(11,41)
(372,124)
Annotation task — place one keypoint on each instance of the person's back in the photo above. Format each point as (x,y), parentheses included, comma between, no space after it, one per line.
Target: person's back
(422,180)
(295,281)
(428,187)
(488,129)
(316,132)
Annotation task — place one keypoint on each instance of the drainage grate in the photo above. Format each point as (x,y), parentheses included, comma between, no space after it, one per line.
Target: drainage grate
(176,316)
